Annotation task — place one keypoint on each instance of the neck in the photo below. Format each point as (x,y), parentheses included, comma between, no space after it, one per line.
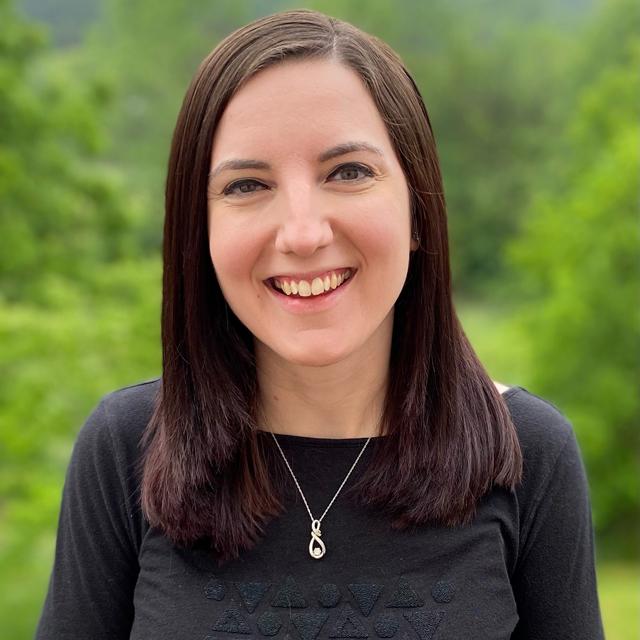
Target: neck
(344,399)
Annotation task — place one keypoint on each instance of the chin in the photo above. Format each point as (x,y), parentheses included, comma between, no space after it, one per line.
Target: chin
(312,358)
(312,355)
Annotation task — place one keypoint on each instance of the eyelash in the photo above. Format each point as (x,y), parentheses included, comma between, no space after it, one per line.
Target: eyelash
(229,189)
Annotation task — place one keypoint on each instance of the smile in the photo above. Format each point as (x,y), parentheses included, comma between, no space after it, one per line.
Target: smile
(317,287)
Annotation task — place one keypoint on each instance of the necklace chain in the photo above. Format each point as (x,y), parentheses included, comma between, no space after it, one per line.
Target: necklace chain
(316,546)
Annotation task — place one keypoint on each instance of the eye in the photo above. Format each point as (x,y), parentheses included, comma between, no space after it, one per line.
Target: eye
(351,173)
(243,188)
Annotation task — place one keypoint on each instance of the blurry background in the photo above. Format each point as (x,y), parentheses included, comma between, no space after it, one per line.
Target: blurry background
(535,109)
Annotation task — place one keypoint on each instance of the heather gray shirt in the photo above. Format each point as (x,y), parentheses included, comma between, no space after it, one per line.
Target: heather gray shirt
(524,568)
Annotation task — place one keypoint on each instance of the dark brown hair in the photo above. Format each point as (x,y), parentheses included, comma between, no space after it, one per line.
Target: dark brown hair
(449,436)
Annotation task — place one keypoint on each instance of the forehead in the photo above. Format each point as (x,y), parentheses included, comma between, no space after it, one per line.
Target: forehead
(311,102)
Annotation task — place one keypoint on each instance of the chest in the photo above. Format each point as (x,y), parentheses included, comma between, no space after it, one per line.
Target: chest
(432,583)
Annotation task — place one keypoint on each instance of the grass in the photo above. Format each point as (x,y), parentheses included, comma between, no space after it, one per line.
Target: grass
(619,588)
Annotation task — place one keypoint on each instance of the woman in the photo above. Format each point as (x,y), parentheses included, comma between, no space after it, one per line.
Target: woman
(324,456)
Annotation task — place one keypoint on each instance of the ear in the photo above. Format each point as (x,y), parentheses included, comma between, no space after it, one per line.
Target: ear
(415,242)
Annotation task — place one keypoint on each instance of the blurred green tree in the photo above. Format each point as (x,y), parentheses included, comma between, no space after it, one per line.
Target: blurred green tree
(63,210)
(78,315)
(577,261)
(149,51)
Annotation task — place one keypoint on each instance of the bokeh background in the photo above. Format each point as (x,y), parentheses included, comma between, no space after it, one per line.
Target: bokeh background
(535,108)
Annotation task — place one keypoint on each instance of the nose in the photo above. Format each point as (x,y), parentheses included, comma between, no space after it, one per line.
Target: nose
(304,228)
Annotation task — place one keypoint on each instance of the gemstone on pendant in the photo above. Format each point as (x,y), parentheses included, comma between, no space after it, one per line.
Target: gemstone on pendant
(316,546)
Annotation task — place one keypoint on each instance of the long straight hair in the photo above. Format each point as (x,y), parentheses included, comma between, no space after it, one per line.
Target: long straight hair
(449,436)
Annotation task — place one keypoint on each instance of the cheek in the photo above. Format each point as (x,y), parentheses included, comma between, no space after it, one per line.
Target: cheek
(233,251)
(233,255)
(386,247)
(383,229)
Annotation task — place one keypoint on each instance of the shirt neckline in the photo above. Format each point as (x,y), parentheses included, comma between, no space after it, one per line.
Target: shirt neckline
(308,441)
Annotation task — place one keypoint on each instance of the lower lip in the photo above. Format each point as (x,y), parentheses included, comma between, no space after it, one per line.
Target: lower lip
(311,304)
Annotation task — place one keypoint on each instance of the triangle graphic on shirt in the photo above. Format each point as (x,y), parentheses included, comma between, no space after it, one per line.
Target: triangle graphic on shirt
(232,621)
(252,593)
(365,596)
(348,625)
(425,624)
(309,624)
(405,596)
(289,596)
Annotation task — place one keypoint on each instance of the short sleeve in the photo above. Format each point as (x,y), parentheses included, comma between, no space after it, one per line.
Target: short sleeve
(95,569)
(554,581)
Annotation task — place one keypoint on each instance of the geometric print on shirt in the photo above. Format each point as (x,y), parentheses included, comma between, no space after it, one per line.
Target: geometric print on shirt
(289,611)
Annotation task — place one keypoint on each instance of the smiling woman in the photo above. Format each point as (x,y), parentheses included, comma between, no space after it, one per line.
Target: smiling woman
(324,455)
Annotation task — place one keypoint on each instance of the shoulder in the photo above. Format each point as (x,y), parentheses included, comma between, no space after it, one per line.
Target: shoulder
(550,451)
(130,408)
(118,422)
(103,476)
(541,427)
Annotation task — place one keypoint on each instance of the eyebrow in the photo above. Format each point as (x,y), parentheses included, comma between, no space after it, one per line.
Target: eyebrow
(235,165)
(329,154)
(348,147)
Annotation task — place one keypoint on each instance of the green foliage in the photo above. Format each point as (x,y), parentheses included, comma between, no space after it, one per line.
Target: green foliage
(149,52)
(55,364)
(578,260)
(77,315)
(62,210)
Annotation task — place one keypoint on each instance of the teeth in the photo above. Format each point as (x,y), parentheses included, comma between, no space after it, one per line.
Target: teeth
(317,286)
(304,289)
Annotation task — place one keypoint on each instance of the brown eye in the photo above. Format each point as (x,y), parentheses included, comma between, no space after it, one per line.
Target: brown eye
(243,187)
(351,173)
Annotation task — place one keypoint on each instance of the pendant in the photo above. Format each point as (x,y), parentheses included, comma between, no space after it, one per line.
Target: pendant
(316,546)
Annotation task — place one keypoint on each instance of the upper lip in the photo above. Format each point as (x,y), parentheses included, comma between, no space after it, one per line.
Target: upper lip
(310,275)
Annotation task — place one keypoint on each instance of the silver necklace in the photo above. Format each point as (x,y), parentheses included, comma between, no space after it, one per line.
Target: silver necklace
(317,547)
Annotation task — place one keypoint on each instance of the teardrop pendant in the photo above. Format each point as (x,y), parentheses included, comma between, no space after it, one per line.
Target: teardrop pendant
(316,546)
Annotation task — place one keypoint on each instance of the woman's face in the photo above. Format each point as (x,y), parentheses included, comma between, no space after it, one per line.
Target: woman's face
(306,192)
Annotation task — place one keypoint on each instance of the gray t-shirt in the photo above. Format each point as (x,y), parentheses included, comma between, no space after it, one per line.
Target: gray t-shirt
(524,568)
